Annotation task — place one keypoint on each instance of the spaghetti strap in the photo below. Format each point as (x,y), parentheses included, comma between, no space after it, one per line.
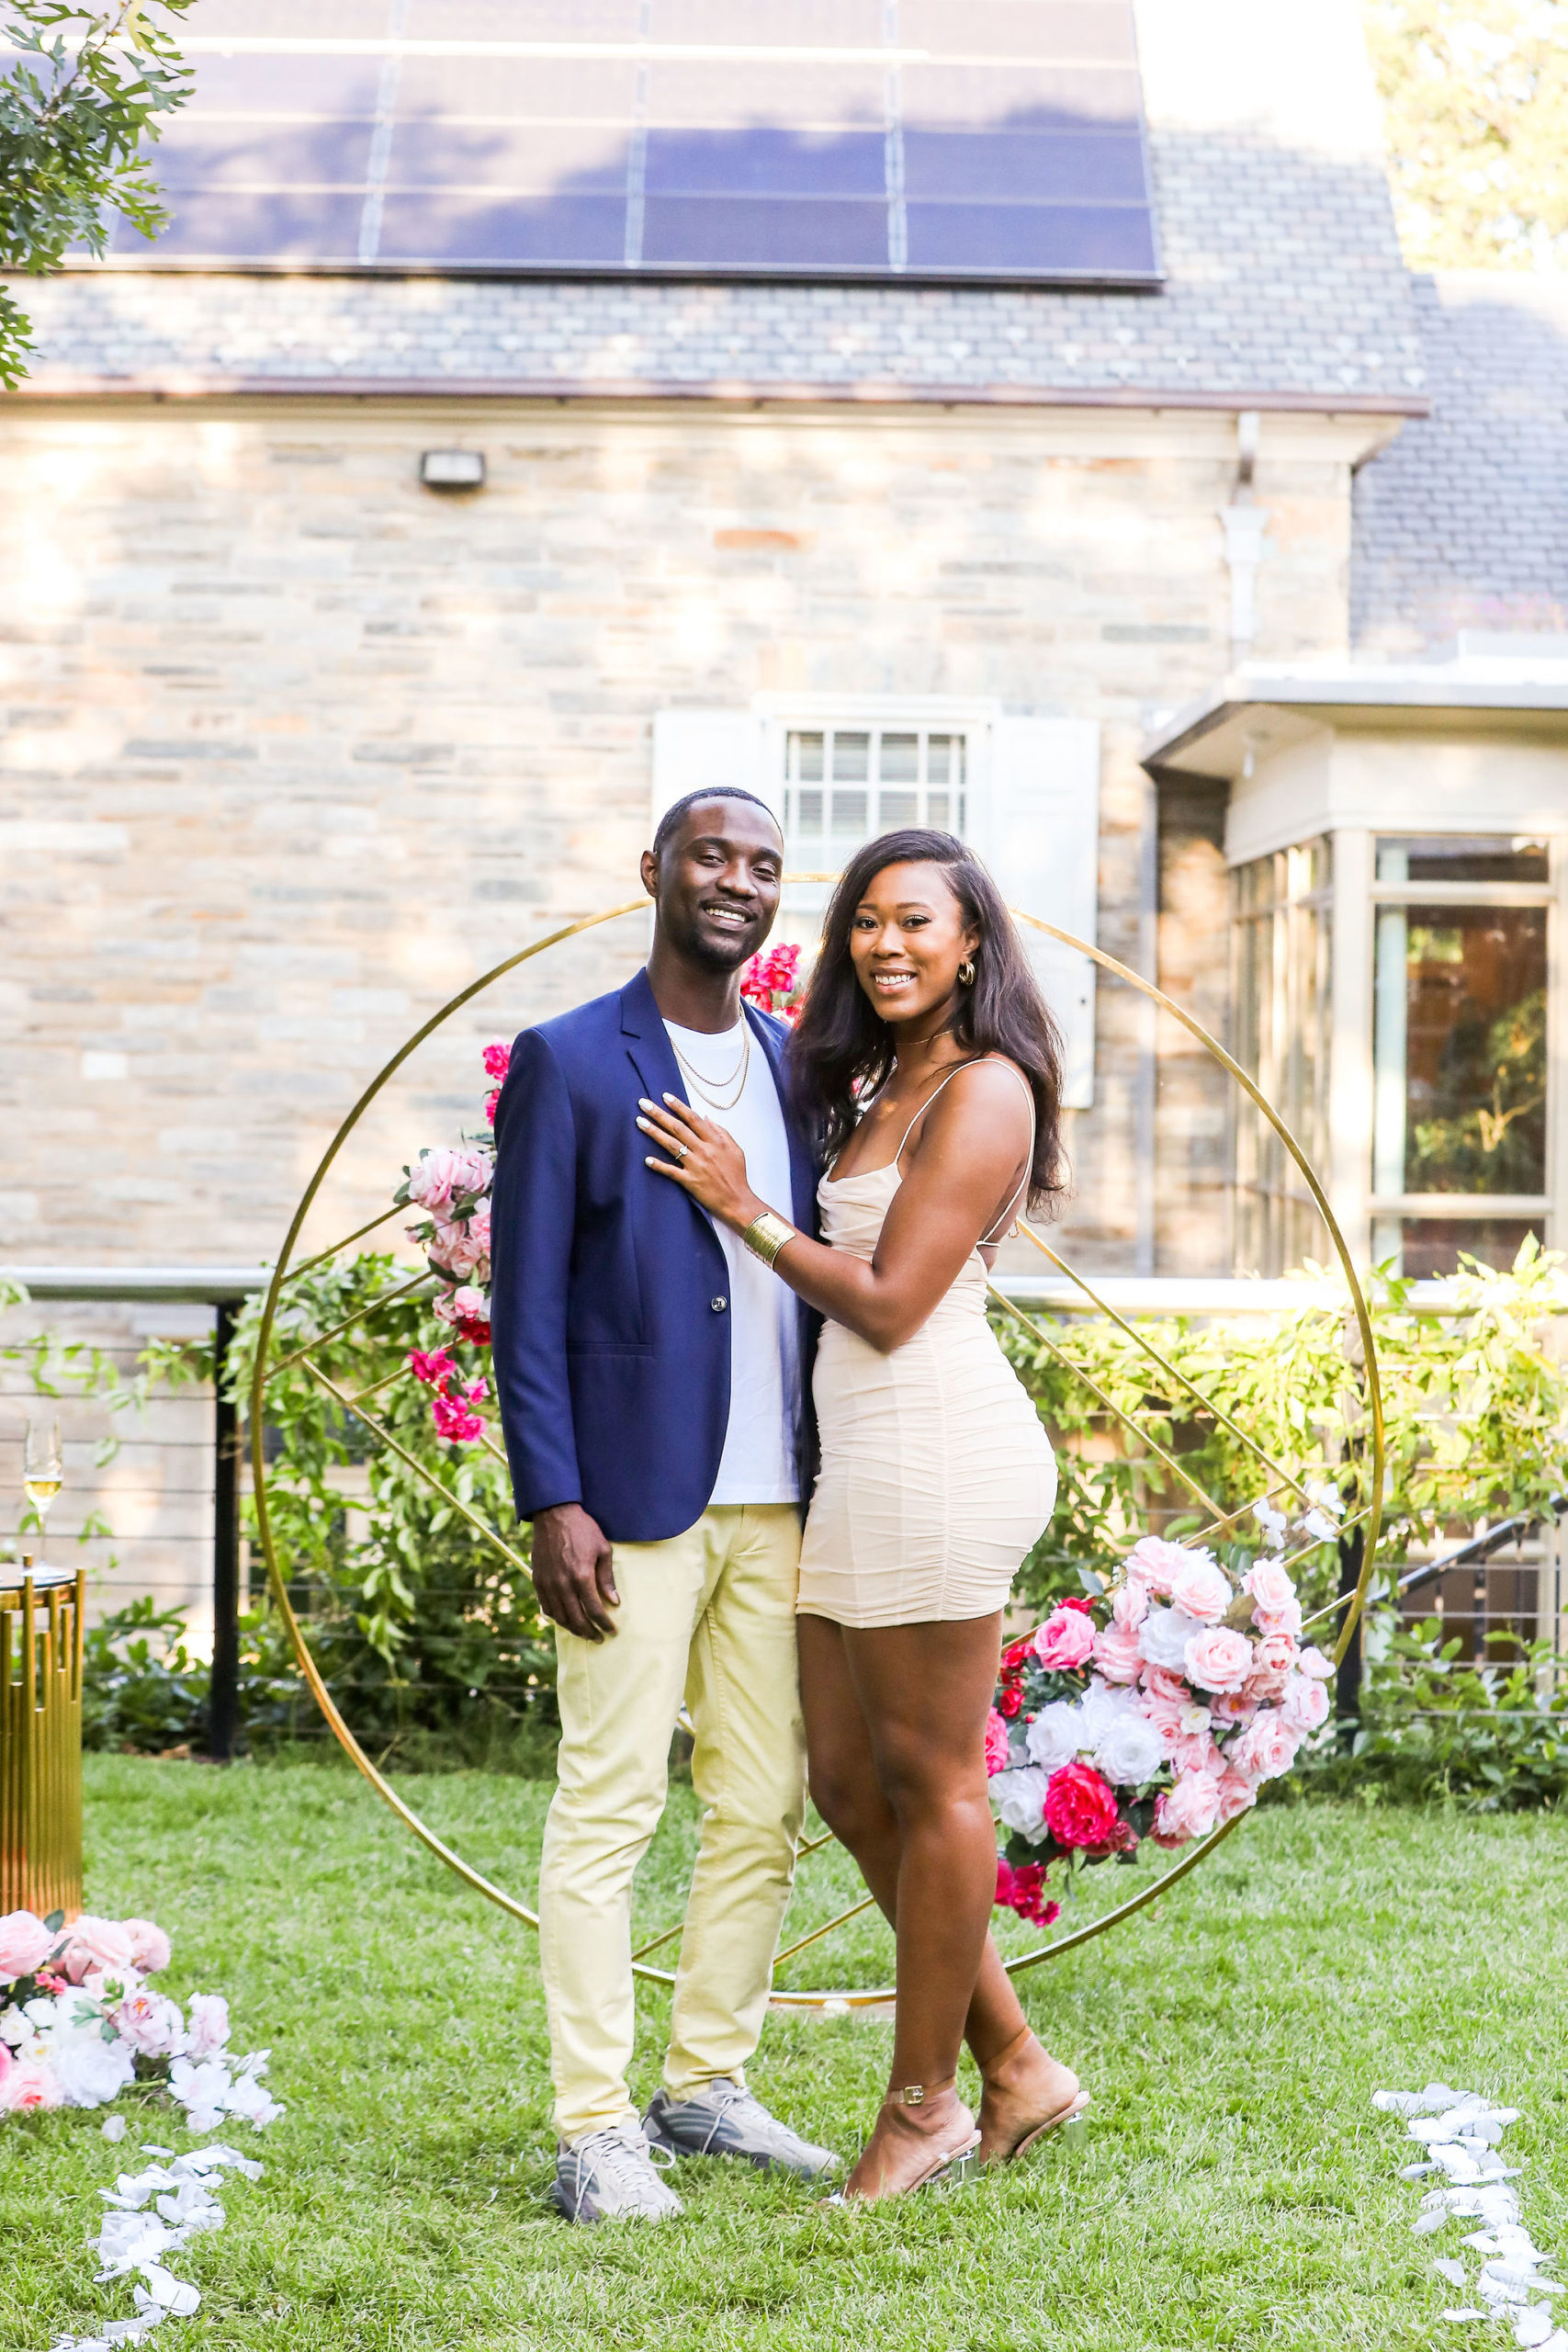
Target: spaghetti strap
(973,1063)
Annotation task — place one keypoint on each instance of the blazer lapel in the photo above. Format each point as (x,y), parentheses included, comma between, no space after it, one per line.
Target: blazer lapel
(647,1041)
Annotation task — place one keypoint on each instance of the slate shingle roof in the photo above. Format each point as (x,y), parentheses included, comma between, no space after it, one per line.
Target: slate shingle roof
(1463,521)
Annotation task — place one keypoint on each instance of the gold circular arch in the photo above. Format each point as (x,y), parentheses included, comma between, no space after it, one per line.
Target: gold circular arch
(1352,1602)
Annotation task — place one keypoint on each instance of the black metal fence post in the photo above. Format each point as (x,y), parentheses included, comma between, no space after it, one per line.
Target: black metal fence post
(223,1699)
(1348,1679)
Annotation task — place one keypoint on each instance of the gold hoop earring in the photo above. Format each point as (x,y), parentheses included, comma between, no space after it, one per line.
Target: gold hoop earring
(966,972)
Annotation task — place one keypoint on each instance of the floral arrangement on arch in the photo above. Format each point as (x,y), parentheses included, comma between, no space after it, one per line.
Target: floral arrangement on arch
(1156,1706)
(80,2023)
(774,983)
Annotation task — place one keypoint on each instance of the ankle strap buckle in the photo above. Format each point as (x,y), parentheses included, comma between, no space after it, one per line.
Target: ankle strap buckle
(913,2094)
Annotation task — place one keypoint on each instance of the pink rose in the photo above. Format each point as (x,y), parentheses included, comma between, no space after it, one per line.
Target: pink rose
(7,2064)
(29,2085)
(1154,1562)
(1236,1795)
(1130,1604)
(1234,1706)
(438,1178)
(1195,1751)
(1188,1810)
(1218,1660)
(1064,1641)
(1304,1704)
(1312,1661)
(1286,1619)
(1266,1748)
(1117,1655)
(1080,1807)
(467,1304)
(996,1743)
(1201,1587)
(207,2025)
(96,1945)
(1165,1709)
(1162,1682)
(25,1944)
(149,2022)
(1273,1660)
(1268,1583)
(149,1946)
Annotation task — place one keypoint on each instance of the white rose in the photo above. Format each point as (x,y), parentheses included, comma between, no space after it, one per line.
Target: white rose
(1131,1752)
(1020,1801)
(1163,1637)
(89,2070)
(1055,1735)
(13,2028)
(1101,1707)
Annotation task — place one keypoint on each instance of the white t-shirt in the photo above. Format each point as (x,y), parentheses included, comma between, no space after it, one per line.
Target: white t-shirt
(758,1462)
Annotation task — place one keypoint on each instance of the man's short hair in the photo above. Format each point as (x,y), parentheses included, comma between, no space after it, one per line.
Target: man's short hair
(672,816)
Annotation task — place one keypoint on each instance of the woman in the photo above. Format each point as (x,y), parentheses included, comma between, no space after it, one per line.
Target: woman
(937,1478)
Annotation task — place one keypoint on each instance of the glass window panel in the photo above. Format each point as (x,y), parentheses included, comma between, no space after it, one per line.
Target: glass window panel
(806,757)
(851,758)
(1460,1050)
(850,817)
(1281,944)
(809,810)
(962,817)
(936,811)
(900,760)
(1462,858)
(1431,1246)
(898,809)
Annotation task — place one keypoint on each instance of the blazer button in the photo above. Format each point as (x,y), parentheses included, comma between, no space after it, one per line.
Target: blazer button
(718,1304)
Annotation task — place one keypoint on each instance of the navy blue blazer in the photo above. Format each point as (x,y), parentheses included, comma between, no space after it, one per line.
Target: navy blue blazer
(609,1290)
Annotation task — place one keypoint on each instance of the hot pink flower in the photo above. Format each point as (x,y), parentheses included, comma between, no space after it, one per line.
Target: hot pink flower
(432,1366)
(1080,1807)
(29,2085)
(1234,1796)
(96,1944)
(1304,1704)
(1201,1587)
(1218,1660)
(1187,1811)
(1266,1748)
(149,1946)
(1022,1890)
(996,1743)
(1117,1655)
(1064,1641)
(1154,1562)
(497,1059)
(25,1944)
(453,1421)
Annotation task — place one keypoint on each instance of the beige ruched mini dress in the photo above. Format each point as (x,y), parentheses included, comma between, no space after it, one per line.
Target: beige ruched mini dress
(937,1477)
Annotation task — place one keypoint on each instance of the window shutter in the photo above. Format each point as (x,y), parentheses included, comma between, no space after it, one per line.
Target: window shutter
(696,748)
(1039,832)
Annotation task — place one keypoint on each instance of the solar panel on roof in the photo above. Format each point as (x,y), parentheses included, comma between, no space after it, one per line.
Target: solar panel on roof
(950,139)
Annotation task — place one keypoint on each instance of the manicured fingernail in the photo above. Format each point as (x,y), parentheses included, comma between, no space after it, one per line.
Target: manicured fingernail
(643,1103)
(670,1098)
(644,1126)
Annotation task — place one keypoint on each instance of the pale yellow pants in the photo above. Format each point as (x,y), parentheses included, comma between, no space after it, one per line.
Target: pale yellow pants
(708,1615)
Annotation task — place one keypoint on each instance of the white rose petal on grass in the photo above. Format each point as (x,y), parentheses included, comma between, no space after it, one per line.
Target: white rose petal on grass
(113,2128)
(1454,2272)
(1464,2313)
(1534,2325)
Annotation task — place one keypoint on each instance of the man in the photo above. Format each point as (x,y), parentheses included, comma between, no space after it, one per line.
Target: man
(649,1370)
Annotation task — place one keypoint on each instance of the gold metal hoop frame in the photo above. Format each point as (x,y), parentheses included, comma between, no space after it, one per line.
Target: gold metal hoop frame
(266,1367)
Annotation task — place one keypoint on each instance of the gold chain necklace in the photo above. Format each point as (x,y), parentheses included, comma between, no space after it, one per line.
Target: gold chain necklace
(735,1077)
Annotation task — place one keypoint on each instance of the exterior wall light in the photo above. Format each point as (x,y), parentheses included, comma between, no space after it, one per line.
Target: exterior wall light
(453,470)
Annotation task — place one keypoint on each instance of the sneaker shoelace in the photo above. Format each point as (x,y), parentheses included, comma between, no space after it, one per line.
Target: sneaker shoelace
(621,2160)
(749,2109)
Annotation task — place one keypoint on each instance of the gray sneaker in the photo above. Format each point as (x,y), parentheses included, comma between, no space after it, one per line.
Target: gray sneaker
(723,2120)
(609,2177)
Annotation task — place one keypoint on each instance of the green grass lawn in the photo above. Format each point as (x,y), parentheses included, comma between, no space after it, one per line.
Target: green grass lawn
(1234,2187)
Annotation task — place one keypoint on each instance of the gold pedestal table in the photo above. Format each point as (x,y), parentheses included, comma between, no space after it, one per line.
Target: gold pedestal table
(41,1740)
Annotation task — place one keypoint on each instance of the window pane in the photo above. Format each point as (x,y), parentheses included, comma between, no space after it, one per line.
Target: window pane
(900,759)
(898,809)
(936,811)
(806,757)
(1463,858)
(850,818)
(809,812)
(1432,1245)
(1460,1050)
(851,759)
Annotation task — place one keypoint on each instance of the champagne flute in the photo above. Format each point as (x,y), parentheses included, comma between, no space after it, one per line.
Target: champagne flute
(43,1468)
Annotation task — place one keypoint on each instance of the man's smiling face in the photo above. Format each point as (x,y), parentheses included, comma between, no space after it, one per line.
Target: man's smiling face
(717,882)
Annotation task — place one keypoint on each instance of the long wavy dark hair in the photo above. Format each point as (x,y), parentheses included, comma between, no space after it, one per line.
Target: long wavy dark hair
(842,1050)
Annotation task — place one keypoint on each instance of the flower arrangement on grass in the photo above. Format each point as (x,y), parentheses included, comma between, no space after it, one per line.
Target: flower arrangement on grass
(80,2023)
(1156,1706)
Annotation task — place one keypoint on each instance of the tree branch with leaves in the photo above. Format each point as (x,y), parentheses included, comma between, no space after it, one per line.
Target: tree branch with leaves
(83,91)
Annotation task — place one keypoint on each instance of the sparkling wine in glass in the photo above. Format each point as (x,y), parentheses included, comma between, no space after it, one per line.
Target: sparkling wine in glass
(44,1468)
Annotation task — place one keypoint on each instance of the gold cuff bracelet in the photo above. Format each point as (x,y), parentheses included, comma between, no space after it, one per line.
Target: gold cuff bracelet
(766,1236)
